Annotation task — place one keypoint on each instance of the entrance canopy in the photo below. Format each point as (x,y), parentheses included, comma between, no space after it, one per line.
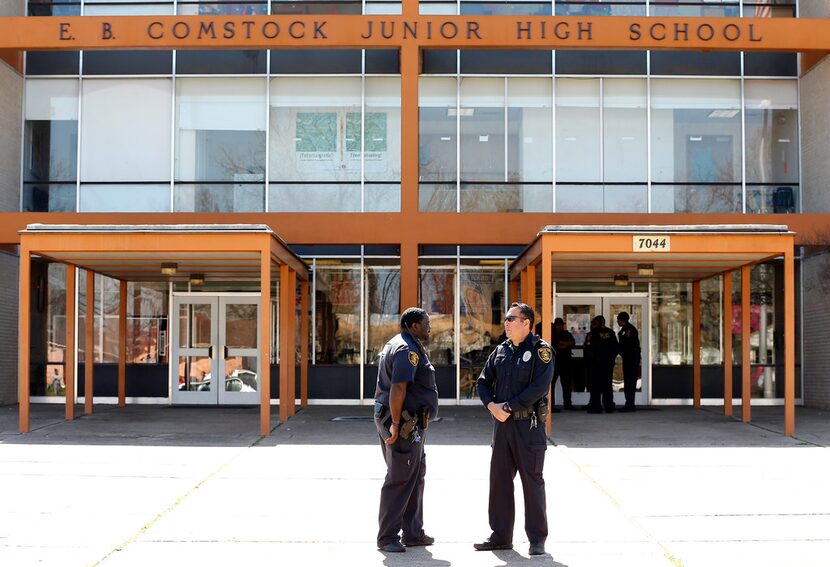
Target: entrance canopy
(170,252)
(655,253)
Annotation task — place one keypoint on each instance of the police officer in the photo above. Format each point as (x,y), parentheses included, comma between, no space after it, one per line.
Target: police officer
(563,342)
(513,386)
(629,340)
(406,399)
(601,349)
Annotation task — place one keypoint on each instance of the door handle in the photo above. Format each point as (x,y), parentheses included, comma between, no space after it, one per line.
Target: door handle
(210,351)
(225,352)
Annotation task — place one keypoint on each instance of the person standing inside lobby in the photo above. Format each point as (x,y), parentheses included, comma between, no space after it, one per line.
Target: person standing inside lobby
(629,340)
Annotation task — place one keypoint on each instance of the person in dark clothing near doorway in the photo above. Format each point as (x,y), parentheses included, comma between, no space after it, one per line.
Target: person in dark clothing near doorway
(562,342)
(601,349)
(513,386)
(406,399)
(629,340)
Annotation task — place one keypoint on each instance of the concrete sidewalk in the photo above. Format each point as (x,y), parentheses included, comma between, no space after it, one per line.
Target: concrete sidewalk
(158,485)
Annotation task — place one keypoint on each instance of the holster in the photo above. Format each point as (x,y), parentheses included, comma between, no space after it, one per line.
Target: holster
(424,418)
(408,423)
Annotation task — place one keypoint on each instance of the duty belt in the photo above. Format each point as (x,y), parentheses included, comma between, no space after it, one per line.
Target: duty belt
(521,414)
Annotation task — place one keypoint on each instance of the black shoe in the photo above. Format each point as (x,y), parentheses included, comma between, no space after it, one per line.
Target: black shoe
(489,545)
(417,541)
(392,547)
(537,549)
(594,410)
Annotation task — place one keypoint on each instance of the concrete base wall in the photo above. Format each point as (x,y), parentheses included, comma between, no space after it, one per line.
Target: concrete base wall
(816,356)
(8,328)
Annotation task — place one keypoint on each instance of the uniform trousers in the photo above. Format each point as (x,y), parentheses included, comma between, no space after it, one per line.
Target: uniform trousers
(402,495)
(631,371)
(563,372)
(518,448)
(600,386)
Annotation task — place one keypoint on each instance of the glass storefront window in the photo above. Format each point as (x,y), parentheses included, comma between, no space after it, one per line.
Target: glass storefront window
(481,308)
(337,297)
(147,339)
(578,130)
(771,131)
(437,148)
(625,130)
(105,325)
(437,297)
(55,312)
(382,133)
(671,334)
(606,198)
(482,129)
(765,351)
(529,134)
(383,298)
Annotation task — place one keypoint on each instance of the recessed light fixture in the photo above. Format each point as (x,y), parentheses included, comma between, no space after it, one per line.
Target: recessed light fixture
(620,279)
(169,268)
(197,279)
(645,269)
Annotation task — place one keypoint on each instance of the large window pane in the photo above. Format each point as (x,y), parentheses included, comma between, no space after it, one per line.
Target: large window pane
(601,198)
(529,129)
(125,130)
(105,319)
(625,130)
(771,131)
(577,130)
(667,198)
(315,129)
(437,293)
(337,296)
(383,299)
(133,198)
(482,306)
(482,129)
(220,130)
(671,334)
(437,129)
(147,331)
(696,130)
(595,8)
(382,133)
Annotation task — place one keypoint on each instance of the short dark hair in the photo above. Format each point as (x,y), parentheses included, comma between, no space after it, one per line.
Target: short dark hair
(526,311)
(411,316)
(623,315)
(600,320)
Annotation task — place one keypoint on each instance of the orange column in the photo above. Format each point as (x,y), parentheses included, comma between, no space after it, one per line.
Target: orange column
(530,295)
(122,344)
(696,342)
(514,292)
(23,338)
(69,353)
(409,275)
(292,342)
(410,68)
(547,310)
(789,342)
(303,344)
(727,344)
(523,284)
(89,346)
(285,300)
(265,341)
(746,370)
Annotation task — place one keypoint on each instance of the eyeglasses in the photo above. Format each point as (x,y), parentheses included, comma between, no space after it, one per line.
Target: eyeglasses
(511,318)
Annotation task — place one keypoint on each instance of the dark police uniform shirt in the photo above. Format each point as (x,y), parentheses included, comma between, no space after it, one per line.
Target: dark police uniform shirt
(629,340)
(403,360)
(563,355)
(510,367)
(601,347)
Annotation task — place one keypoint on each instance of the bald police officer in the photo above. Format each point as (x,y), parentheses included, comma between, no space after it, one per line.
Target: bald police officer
(406,399)
(513,386)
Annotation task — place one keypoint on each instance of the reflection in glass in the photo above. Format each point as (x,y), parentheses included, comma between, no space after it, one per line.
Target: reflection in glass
(105,324)
(437,293)
(238,197)
(577,130)
(606,198)
(671,334)
(625,130)
(696,198)
(437,130)
(146,322)
(194,325)
(338,313)
(383,307)
(314,197)
(635,311)
(771,131)
(134,197)
(48,197)
(382,134)
(222,8)
(763,348)
(482,129)
(240,325)
(481,309)
(437,197)
(772,198)
(529,138)
(593,8)
(241,372)
(194,373)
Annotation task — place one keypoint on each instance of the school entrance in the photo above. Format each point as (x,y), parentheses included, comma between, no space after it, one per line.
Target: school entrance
(577,310)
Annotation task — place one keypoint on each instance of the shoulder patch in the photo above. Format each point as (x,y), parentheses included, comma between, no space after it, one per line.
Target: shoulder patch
(413,358)
(544,354)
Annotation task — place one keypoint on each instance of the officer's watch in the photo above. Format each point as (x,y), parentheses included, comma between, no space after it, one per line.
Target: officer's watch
(506,407)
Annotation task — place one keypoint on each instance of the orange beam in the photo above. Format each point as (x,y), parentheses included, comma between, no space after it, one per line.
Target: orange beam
(23,339)
(746,370)
(696,343)
(265,343)
(122,343)
(69,353)
(292,342)
(523,286)
(304,344)
(514,291)
(89,347)
(789,344)
(14,58)
(727,344)
(410,72)
(409,275)
(547,310)
(469,32)
(284,301)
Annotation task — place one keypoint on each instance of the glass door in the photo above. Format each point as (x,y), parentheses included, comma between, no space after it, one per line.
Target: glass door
(577,311)
(216,336)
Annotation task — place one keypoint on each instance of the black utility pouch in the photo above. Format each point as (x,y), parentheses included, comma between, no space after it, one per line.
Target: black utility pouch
(380,409)
(542,409)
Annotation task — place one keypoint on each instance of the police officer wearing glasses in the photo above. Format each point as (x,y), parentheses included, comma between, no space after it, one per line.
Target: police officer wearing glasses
(513,386)
(406,399)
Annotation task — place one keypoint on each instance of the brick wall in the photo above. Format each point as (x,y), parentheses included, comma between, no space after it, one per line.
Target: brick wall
(816,355)
(8,328)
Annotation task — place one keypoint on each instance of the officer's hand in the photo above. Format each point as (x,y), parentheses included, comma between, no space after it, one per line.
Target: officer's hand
(497,412)
(393,434)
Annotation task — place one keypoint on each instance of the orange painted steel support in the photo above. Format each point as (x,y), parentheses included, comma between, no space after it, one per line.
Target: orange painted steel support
(69,353)
(514,291)
(265,341)
(304,344)
(284,301)
(291,328)
(410,70)
(547,310)
(696,343)
(89,343)
(530,296)
(23,338)
(789,342)
(122,344)
(523,285)
(746,369)
(727,344)
(409,275)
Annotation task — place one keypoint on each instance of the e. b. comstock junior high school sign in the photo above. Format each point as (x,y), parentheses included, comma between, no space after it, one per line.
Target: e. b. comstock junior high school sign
(465,32)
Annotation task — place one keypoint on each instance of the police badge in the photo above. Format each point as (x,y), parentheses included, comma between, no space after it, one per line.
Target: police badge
(544,354)
(413,358)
